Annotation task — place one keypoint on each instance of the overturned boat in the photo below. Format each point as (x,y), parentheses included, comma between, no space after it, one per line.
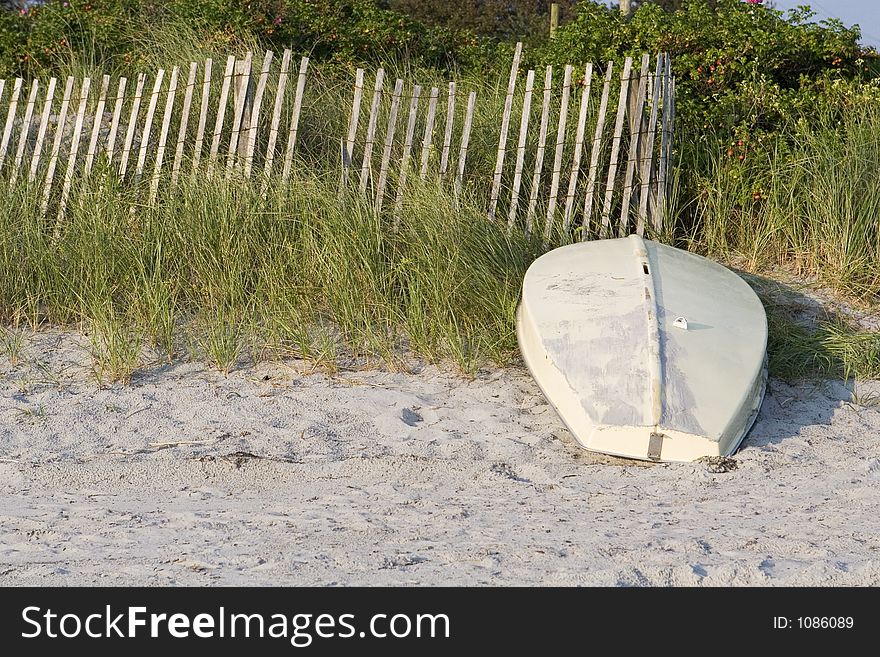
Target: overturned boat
(645,351)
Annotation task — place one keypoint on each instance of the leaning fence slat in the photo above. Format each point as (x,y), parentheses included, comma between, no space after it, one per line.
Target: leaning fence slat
(521,148)
(56,144)
(557,157)
(463,148)
(96,124)
(635,137)
(371,130)
(2,87)
(163,133)
(502,138)
(293,129)
(74,147)
(184,121)
(148,123)
(255,114)
(429,132)
(447,133)
(407,151)
(221,112)
(25,128)
(348,152)
(595,152)
(665,139)
(114,122)
(41,133)
(203,115)
(241,98)
(615,146)
(276,117)
(389,142)
(132,124)
(539,154)
(578,149)
(647,153)
(10,119)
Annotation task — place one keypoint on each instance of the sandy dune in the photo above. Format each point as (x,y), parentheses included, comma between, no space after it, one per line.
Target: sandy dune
(269,476)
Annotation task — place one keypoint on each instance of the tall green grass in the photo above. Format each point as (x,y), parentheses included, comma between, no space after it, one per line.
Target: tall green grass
(219,271)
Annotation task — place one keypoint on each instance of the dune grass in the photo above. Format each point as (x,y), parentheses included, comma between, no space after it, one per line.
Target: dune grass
(220,272)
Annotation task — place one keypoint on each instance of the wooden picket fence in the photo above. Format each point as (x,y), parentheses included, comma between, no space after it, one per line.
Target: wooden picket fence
(168,126)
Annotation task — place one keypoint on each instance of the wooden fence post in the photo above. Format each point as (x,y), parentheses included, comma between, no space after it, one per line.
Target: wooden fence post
(96,124)
(595,152)
(647,163)
(539,155)
(114,122)
(184,122)
(429,132)
(615,146)
(407,152)
(276,118)
(132,124)
(371,130)
(56,145)
(447,133)
(74,150)
(502,137)
(557,158)
(635,135)
(25,130)
(293,129)
(521,149)
(389,142)
(578,149)
(463,148)
(41,134)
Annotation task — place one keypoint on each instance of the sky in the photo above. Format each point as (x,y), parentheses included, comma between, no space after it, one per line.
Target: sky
(865,13)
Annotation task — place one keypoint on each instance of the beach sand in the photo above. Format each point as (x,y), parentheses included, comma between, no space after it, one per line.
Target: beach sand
(271,475)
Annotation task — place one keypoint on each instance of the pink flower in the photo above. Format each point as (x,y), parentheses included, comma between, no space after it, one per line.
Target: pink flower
(277,20)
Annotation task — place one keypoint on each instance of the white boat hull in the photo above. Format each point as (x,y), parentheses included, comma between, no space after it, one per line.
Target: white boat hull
(644,350)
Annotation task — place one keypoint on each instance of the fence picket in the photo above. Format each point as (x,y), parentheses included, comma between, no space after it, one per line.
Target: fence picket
(241,98)
(389,142)
(184,121)
(253,131)
(96,124)
(114,122)
(595,152)
(56,145)
(25,130)
(276,118)
(665,144)
(163,134)
(647,163)
(447,133)
(132,124)
(578,149)
(521,148)
(148,123)
(41,134)
(635,137)
(74,149)
(348,152)
(221,113)
(502,138)
(615,146)
(407,151)
(10,118)
(371,130)
(293,129)
(539,154)
(203,115)
(463,148)
(557,158)
(429,132)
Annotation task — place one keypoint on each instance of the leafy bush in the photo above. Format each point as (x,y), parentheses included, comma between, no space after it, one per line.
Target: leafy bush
(46,36)
(739,67)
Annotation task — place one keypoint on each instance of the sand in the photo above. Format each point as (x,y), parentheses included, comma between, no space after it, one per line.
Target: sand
(273,476)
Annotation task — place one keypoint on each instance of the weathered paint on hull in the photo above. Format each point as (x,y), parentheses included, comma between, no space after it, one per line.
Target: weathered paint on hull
(597,329)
